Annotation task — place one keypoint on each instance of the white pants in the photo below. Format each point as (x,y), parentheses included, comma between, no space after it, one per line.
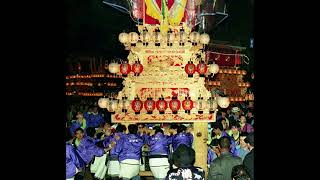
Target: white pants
(129,168)
(70,178)
(99,167)
(159,167)
(113,168)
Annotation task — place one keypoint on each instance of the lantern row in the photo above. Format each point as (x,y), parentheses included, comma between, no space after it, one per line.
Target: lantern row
(161,105)
(84,94)
(91,84)
(93,76)
(232,71)
(214,83)
(168,37)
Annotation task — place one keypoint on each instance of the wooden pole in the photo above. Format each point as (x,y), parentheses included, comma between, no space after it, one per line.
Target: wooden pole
(200,144)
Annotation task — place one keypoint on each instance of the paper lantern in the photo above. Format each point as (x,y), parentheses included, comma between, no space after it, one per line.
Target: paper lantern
(170,38)
(149,105)
(182,37)
(137,105)
(190,69)
(103,103)
(124,104)
(123,38)
(194,38)
(223,102)
(187,104)
(112,105)
(212,105)
(114,68)
(204,38)
(201,105)
(213,68)
(133,38)
(137,68)
(202,68)
(157,37)
(145,37)
(125,69)
(174,105)
(161,105)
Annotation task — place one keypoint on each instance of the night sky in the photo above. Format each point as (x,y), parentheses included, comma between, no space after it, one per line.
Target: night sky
(93,27)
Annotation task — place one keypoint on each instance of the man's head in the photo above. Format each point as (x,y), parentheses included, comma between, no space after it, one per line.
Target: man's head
(224,143)
(217,128)
(121,128)
(243,136)
(95,109)
(249,114)
(235,127)
(174,128)
(183,156)
(107,126)
(157,130)
(240,172)
(79,133)
(250,141)
(223,114)
(243,119)
(79,115)
(224,123)
(215,145)
(181,128)
(91,131)
(133,129)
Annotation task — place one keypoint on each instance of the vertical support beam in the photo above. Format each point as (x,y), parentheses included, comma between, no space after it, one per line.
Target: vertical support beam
(200,144)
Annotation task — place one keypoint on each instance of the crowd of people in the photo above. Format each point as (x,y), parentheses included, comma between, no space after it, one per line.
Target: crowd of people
(98,149)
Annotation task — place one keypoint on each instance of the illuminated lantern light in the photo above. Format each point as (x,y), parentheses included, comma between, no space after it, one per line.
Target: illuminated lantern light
(170,38)
(213,68)
(67,84)
(219,83)
(123,38)
(133,38)
(161,105)
(231,99)
(248,84)
(182,37)
(239,72)
(239,84)
(221,71)
(204,39)
(145,37)
(190,69)
(225,71)
(194,38)
(230,71)
(234,71)
(201,105)
(137,105)
(187,104)
(114,68)
(212,105)
(174,105)
(124,104)
(223,102)
(113,105)
(149,105)
(103,103)
(137,68)
(202,68)
(244,72)
(125,69)
(157,37)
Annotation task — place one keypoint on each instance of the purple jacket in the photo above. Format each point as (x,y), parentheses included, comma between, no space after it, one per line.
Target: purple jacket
(159,144)
(247,128)
(182,138)
(94,120)
(130,147)
(211,156)
(114,152)
(87,150)
(72,161)
(75,125)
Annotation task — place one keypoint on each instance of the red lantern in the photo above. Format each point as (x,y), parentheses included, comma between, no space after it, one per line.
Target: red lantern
(161,105)
(149,105)
(187,104)
(174,105)
(137,68)
(125,69)
(202,68)
(137,105)
(190,69)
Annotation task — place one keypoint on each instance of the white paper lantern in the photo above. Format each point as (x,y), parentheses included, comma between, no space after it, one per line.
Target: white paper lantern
(103,103)
(114,68)
(213,68)
(133,37)
(223,102)
(212,105)
(145,36)
(112,105)
(204,38)
(201,105)
(123,38)
(194,37)
(170,37)
(182,37)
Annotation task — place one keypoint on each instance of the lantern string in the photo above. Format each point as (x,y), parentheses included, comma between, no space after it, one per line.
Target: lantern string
(246,60)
